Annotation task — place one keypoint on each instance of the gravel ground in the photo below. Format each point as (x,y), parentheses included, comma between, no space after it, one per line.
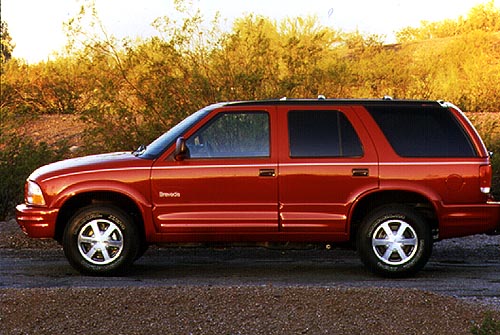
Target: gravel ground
(232,310)
(263,309)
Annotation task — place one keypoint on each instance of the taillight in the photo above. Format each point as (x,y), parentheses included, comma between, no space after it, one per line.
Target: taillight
(485,175)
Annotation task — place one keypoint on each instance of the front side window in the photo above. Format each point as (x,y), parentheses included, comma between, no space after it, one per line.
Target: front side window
(322,133)
(158,146)
(232,135)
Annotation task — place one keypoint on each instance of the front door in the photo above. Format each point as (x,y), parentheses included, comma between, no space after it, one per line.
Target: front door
(227,184)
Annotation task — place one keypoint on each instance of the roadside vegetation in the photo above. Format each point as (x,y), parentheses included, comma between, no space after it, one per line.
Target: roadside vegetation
(489,326)
(127,92)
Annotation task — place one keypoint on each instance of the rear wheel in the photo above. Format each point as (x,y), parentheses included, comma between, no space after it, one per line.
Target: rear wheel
(101,240)
(394,241)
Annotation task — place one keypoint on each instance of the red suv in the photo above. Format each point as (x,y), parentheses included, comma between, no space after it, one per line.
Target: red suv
(389,176)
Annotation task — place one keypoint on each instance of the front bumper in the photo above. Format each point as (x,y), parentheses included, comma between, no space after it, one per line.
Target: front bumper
(37,222)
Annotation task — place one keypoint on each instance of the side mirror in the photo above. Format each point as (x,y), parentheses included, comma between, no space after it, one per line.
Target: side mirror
(181,149)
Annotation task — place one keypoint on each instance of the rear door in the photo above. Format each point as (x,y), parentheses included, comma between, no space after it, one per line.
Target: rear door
(228,184)
(328,161)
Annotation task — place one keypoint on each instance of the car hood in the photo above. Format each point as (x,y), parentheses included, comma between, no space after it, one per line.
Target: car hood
(91,163)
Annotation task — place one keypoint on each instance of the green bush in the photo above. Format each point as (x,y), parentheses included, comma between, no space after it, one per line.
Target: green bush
(490,326)
(18,158)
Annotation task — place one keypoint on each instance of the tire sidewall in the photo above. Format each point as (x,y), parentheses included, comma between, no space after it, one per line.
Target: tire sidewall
(120,219)
(387,213)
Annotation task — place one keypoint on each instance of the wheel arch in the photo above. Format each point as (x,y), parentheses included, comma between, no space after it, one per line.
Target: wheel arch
(371,201)
(116,199)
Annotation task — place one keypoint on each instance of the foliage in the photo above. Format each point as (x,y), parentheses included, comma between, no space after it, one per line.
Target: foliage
(490,326)
(484,17)
(129,92)
(18,158)
(6,45)
(141,88)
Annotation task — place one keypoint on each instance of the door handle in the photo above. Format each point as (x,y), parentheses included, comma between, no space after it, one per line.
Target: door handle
(360,172)
(267,173)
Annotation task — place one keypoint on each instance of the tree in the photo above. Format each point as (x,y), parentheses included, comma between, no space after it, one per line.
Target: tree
(305,46)
(484,17)
(6,43)
(247,62)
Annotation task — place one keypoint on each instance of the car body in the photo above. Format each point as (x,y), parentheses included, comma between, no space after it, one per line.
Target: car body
(389,176)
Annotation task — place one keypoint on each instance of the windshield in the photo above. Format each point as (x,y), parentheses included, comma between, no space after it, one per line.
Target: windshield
(158,146)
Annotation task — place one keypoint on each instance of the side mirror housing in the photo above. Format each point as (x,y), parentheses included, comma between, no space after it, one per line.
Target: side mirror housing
(181,149)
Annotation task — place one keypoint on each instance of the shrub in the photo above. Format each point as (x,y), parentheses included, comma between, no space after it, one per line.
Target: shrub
(18,158)
(490,326)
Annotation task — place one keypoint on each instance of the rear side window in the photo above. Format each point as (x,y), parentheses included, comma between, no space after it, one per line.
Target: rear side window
(417,131)
(322,133)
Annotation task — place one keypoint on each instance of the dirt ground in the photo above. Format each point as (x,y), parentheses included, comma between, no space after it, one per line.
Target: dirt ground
(211,309)
(233,310)
(54,128)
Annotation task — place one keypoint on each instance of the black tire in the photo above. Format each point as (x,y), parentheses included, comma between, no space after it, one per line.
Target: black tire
(394,241)
(109,252)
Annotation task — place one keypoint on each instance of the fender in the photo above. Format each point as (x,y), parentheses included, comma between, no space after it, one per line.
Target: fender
(141,200)
(390,193)
(412,187)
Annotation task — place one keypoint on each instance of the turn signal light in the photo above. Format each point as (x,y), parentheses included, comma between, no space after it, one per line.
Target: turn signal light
(34,195)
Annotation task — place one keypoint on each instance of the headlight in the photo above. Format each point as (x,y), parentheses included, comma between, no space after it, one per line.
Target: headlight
(34,195)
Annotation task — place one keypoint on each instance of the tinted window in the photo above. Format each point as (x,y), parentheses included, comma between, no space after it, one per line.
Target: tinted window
(242,134)
(322,133)
(416,131)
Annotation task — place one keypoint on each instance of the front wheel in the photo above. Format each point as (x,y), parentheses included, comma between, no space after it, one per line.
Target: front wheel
(101,240)
(394,241)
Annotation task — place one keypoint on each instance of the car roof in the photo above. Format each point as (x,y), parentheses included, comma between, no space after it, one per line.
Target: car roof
(322,101)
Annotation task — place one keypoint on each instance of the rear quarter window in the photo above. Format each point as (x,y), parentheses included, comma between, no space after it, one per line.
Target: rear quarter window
(423,131)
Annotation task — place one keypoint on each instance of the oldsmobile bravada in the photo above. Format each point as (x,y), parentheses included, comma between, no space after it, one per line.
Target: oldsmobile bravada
(389,176)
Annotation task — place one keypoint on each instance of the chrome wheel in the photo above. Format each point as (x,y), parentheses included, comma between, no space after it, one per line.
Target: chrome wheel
(100,241)
(394,242)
